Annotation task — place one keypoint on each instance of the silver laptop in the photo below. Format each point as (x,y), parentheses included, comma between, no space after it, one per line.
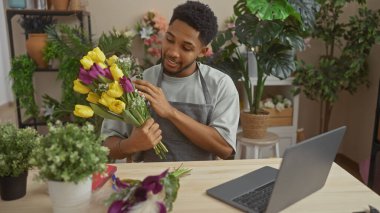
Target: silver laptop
(271,190)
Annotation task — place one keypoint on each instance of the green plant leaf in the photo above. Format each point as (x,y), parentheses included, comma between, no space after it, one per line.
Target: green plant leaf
(98,110)
(272,10)
(253,32)
(307,10)
(278,61)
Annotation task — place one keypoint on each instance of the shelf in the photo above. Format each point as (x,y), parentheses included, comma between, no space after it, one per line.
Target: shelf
(273,81)
(12,12)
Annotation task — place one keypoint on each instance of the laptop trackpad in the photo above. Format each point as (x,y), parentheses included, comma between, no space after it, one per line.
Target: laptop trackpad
(243,184)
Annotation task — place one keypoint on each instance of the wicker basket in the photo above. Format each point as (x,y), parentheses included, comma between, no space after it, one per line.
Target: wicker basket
(254,126)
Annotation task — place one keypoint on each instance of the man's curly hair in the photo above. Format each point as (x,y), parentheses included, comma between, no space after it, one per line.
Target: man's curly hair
(200,17)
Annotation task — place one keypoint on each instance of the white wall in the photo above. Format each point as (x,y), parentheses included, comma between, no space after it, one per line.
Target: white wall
(5,87)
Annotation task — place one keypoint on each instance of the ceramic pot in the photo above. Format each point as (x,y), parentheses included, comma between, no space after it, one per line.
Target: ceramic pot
(70,197)
(60,4)
(34,47)
(12,188)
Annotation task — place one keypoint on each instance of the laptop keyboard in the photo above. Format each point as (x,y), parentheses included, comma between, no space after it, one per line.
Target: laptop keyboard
(256,200)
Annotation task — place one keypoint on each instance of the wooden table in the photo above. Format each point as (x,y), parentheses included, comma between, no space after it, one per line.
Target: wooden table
(342,192)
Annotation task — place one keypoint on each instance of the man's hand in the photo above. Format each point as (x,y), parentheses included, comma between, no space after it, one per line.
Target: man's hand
(156,97)
(146,136)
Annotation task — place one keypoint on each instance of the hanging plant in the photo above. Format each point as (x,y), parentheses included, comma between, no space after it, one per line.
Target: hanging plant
(22,76)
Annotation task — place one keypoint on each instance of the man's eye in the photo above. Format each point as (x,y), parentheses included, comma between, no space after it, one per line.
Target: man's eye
(170,40)
(187,48)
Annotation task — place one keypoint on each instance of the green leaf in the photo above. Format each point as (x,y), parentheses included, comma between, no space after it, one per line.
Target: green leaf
(307,10)
(105,113)
(272,10)
(253,32)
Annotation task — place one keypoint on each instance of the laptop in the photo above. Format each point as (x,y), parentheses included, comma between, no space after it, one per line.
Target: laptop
(271,190)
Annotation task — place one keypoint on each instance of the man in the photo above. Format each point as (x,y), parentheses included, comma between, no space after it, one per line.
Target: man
(195,107)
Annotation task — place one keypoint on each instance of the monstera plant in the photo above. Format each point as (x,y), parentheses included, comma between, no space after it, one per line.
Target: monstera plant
(274,31)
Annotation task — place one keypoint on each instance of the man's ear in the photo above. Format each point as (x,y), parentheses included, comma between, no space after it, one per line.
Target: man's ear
(204,51)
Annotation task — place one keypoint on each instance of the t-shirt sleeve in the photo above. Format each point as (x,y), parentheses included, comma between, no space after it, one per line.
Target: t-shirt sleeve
(225,118)
(115,128)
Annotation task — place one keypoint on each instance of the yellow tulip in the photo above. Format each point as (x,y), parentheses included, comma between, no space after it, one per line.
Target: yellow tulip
(117,106)
(115,90)
(92,98)
(102,65)
(83,111)
(116,72)
(106,99)
(111,60)
(97,55)
(80,88)
(86,62)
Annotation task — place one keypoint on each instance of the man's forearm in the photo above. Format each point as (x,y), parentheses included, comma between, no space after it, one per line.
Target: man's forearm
(119,148)
(205,137)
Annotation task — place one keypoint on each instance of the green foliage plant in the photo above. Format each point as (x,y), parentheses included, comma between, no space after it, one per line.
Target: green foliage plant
(343,66)
(16,146)
(36,23)
(274,31)
(69,153)
(22,75)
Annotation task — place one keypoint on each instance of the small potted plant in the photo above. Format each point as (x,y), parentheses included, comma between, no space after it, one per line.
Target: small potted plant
(67,157)
(15,148)
(34,27)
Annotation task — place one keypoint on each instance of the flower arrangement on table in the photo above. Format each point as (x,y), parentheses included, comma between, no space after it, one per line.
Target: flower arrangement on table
(151,30)
(153,194)
(110,92)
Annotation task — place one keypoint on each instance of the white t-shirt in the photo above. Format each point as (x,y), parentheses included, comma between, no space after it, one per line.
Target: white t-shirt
(224,95)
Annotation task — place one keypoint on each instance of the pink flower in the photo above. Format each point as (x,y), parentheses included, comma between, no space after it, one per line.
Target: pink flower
(209,52)
(160,23)
(155,52)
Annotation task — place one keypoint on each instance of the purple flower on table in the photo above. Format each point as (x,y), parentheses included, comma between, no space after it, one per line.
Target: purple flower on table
(152,183)
(118,184)
(119,206)
(126,83)
(161,206)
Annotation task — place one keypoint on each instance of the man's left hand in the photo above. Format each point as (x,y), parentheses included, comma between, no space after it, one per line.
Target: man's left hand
(156,98)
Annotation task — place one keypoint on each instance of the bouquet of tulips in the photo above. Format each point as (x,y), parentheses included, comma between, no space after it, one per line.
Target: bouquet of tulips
(110,92)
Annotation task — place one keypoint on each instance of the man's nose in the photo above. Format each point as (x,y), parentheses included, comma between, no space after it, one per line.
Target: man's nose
(173,52)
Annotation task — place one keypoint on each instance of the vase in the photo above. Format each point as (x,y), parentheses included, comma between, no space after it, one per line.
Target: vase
(60,4)
(34,47)
(69,196)
(12,188)
(254,125)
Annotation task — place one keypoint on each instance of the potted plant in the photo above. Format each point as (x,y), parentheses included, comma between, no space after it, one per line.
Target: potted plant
(67,157)
(273,30)
(34,27)
(343,42)
(15,148)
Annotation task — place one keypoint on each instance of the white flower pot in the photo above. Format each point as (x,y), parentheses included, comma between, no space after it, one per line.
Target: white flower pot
(70,197)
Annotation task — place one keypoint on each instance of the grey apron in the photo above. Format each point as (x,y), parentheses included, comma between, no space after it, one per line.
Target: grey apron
(179,146)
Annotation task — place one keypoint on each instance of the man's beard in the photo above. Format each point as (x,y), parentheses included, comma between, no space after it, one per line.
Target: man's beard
(176,73)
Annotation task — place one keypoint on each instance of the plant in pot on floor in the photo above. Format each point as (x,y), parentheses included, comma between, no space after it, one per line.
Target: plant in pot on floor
(67,157)
(15,148)
(273,30)
(344,65)
(34,27)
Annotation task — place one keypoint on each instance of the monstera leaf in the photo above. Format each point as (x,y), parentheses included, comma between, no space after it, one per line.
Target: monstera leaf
(307,10)
(272,9)
(254,32)
(277,60)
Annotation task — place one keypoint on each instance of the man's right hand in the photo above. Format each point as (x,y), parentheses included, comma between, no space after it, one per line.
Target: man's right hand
(145,137)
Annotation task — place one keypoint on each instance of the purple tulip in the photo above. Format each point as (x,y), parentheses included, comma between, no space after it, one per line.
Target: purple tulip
(118,206)
(126,83)
(118,184)
(162,207)
(84,76)
(152,183)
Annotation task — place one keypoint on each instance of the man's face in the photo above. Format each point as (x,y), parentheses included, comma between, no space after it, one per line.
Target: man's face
(180,48)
